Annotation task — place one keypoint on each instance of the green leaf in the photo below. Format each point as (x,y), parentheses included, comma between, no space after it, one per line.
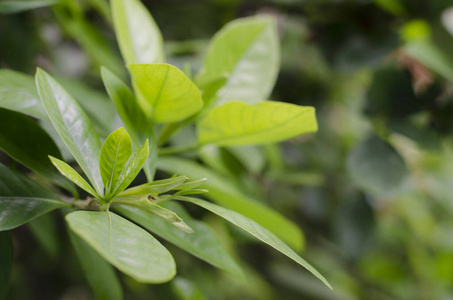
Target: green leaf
(247,52)
(100,274)
(169,96)
(237,123)
(73,126)
(22,200)
(138,36)
(155,188)
(375,166)
(202,243)
(125,245)
(25,141)
(6,261)
(12,7)
(17,211)
(18,93)
(258,231)
(135,120)
(147,205)
(186,289)
(226,192)
(72,175)
(117,149)
(131,168)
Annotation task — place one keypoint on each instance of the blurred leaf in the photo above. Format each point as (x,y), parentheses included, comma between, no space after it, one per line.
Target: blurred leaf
(22,200)
(137,124)
(375,166)
(12,7)
(237,123)
(25,141)
(391,94)
(252,157)
(72,175)
(18,93)
(256,230)
(44,229)
(6,261)
(100,274)
(227,193)
(202,243)
(186,289)
(138,36)
(164,102)
(247,52)
(115,152)
(73,126)
(125,245)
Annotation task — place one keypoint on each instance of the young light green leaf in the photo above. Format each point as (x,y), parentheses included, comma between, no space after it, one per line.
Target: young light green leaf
(6,261)
(203,243)
(125,245)
(147,205)
(117,149)
(25,141)
(247,51)
(73,126)
(169,96)
(256,230)
(191,184)
(16,211)
(99,273)
(138,36)
(154,188)
(226,192)
(135,120)
(72,175)
(131,168)
(237,123)
(18,93)
(12,7)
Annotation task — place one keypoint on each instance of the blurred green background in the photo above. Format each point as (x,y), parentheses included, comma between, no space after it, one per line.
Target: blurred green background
(372,190)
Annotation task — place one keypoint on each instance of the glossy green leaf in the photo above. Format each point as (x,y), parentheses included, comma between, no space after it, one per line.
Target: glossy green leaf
(237,123)
(100,274)
(138,36)
(25,141)
(135,120)
(16,211)
(226,192)
(18,93)
(169,96)
(155,188)
(256,230)
(6,261)
(72,175)
(202,243)
(125,245)
(375,166)
(73,126)
(12,7)
(115,152)
(186,289)
(131,168)
(247,52)
(22,200)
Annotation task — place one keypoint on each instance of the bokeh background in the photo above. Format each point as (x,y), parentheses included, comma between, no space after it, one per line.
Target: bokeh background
(372,190)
